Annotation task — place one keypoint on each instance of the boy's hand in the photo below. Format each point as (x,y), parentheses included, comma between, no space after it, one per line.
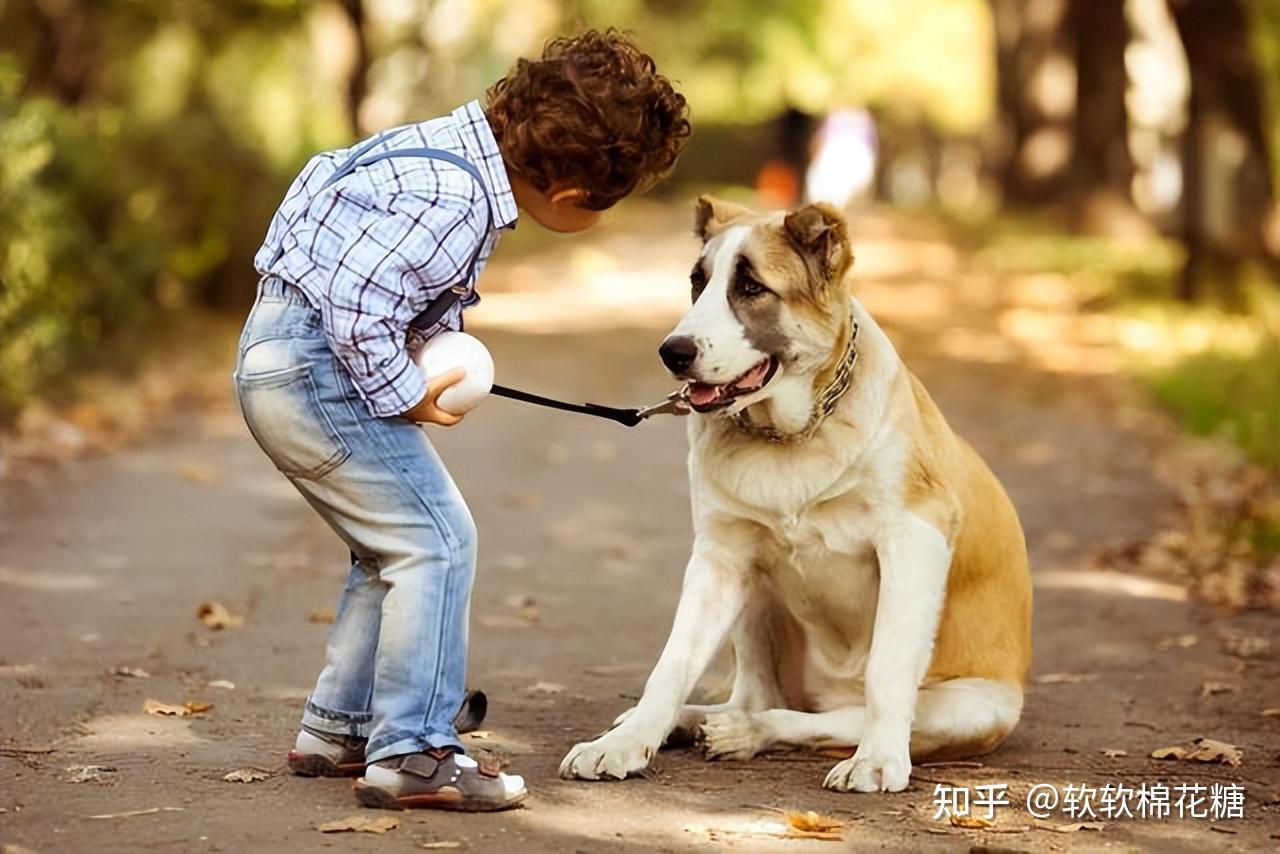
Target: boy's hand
(427,411)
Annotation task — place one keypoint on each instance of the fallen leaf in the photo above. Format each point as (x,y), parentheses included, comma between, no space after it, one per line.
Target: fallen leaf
(480,734)
(322,617)
(214,615)
(812,825)
(1202,750)
(1208,689)
(88,773)
(1178,642)
(224,684)
(971,822)
(186,710)
(130,672)
(1075,827)
(360,824)
(155,707)
(202,474)
(1271,713)
(246,775)
(444,843)
(1114,754)
(1065,678)
(546,688)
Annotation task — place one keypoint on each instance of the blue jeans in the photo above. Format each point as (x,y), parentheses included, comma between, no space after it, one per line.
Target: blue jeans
(395,664)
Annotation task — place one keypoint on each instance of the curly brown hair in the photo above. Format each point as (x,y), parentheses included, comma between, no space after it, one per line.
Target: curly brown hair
(594,113)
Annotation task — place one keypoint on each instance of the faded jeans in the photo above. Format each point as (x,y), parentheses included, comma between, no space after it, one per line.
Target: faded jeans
(395,663)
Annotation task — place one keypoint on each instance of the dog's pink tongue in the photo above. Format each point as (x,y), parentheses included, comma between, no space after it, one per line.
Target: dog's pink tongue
(753,377)
(700,394)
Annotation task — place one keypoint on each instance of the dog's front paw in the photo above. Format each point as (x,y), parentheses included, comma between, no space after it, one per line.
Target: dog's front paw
(732,734)
(617,754)
(879,765)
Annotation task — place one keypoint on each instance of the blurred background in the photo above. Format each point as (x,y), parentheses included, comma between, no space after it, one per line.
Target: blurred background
(1064,215)
(1119,154)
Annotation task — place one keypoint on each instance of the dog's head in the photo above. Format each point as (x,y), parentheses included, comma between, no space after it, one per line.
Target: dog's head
(768,303)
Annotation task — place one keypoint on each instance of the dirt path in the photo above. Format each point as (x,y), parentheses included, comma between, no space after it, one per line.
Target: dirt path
(584,534)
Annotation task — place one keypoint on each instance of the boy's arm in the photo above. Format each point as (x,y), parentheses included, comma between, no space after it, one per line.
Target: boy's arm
(392,259)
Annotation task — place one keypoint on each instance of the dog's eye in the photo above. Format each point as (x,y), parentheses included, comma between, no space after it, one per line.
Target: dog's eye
(748,287)
(698,281)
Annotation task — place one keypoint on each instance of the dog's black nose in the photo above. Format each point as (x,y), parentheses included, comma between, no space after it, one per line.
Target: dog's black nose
(678,353)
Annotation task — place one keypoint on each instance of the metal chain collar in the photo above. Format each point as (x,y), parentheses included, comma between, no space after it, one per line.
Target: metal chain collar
(823,405)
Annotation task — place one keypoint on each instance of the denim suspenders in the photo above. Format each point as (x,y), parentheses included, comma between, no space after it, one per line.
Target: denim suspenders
(441,304)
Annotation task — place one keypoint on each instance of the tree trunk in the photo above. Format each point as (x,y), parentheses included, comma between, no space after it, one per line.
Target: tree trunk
(358,82)
(1030,43)
(1100,156)
(1227,181)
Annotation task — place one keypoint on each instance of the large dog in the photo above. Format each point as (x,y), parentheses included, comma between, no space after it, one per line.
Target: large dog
(868,567)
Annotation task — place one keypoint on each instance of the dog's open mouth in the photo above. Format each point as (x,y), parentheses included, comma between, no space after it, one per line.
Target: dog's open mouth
(704,397)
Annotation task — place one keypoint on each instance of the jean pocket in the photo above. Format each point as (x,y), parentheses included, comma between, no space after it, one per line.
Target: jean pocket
(285,415)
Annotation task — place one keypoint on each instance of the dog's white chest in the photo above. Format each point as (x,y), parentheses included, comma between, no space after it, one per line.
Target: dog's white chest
(823,568)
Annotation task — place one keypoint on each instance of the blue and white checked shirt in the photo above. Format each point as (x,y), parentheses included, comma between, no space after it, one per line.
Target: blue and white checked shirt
(373,249)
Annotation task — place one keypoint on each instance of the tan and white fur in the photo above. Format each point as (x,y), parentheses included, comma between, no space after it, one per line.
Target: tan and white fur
(872,579)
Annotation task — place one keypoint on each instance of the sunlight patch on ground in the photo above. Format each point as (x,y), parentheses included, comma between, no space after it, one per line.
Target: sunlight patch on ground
(50,582)
(127,733)
(1110,583)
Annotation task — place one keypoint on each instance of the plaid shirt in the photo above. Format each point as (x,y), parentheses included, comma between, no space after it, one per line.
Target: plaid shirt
(373,249)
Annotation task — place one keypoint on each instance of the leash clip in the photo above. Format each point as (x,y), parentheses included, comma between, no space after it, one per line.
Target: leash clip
(675,403)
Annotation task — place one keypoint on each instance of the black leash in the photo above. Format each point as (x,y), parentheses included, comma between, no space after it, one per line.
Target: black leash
(672,404)
(625,417)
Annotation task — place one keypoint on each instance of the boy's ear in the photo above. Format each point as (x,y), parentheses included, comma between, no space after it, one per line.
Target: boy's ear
(715,215)
(820,235)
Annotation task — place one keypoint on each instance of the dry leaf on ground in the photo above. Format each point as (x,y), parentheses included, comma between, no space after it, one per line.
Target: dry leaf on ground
(214,615)
(88,773)
(970,822)
(812,825)
(130,672)
(1177,642)
(360,824)
(1271,713)
(1074,827)
(1208,689)
(246,775)
(186,710)
(1202,750)
(224,684)
(1112,753)
(1065,678)
(321,617)
(444,843)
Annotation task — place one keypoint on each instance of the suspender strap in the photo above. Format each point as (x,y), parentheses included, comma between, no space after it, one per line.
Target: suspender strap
(438,307)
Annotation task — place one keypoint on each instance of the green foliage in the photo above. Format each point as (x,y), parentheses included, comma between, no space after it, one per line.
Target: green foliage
(1230,386)
(152,190)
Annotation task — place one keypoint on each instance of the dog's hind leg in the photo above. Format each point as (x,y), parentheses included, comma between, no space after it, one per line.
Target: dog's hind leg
(964,717)
(735,734)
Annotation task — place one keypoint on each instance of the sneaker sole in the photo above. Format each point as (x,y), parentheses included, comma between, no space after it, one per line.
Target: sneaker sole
(380,799)
(315,765)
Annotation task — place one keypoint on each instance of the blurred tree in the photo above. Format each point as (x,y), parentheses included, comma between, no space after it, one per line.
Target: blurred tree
(1034,94)
(1101,168)
(1228,190)
(358,80)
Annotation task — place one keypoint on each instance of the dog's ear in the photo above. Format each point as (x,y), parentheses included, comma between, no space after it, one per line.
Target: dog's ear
(819,233)
(715,215)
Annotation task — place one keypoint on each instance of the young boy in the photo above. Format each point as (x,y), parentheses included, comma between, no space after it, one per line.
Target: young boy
(363,243)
